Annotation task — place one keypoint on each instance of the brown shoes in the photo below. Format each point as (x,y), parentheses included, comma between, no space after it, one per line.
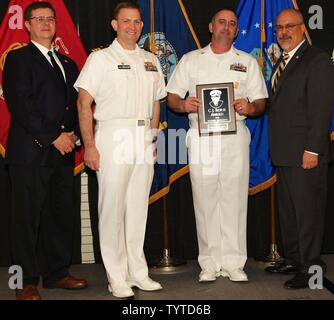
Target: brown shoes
(69,282)
(29,292)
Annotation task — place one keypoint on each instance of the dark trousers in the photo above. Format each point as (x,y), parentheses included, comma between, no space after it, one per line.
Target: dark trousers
(301,196)
(42,221)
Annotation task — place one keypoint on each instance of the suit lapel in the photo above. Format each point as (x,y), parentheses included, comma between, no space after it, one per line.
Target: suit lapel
(64,62)
(45,64)
(42,60)
(290,66)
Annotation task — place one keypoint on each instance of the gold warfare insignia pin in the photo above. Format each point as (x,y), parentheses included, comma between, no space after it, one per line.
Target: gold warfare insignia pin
(238,67)
(149,66)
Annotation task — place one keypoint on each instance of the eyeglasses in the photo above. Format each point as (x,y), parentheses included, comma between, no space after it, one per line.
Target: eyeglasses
(41,19)
(288,26)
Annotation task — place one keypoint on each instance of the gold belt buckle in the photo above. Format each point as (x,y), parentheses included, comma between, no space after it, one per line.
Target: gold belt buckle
(141,123)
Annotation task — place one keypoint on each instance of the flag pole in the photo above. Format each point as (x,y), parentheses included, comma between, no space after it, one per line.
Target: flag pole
(167,264)
(273,257)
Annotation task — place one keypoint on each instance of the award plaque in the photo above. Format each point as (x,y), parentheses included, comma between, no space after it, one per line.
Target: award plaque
(216,114)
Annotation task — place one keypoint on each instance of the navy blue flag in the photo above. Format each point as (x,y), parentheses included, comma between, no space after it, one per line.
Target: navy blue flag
(257,19)
(168,33)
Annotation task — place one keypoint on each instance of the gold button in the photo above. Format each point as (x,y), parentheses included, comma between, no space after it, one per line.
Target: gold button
(66,108)
(62,127)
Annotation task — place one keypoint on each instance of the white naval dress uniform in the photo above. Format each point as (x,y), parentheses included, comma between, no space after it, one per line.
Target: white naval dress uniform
(124,84)
(219,164)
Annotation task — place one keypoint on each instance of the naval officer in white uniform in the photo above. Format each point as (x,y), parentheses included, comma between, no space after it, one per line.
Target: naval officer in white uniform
(126,84)
(219,164)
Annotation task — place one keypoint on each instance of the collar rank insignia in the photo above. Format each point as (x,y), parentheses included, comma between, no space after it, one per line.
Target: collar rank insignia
(238,67)
(149,66)
(123,66)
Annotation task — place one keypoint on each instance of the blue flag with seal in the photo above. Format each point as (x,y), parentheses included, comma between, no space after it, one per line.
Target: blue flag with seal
(168,34)
(257,19)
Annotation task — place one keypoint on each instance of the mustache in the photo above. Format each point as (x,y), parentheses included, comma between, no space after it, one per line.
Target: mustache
(285,37)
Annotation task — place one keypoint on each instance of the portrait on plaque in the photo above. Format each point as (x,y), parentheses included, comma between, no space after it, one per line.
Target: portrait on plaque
(216,114)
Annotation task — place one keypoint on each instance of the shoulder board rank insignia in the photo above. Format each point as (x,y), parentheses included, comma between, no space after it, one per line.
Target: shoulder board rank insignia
(238,67)
(149,66)
(123,66)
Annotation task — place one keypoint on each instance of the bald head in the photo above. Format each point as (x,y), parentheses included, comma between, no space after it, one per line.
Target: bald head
(299,17)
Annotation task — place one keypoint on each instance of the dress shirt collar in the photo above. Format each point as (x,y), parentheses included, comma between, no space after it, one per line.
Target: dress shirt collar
(208,50)
(116,45)
(43,49)
(292,52)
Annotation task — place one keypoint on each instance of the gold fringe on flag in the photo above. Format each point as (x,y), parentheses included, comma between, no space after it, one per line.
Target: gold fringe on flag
(153,46)
(263,34)
(306,32)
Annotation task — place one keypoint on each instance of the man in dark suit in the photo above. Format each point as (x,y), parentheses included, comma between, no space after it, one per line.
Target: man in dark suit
(38,87)
(300,111)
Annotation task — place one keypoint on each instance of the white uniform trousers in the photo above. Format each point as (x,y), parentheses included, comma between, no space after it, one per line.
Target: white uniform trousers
(124,179)
(219,173)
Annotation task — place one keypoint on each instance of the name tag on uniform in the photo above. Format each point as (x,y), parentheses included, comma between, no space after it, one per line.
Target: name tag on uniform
(149,66)
(238,67)
(124,67)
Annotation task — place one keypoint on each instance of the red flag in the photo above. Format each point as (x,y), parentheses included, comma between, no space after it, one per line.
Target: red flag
(13,35)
